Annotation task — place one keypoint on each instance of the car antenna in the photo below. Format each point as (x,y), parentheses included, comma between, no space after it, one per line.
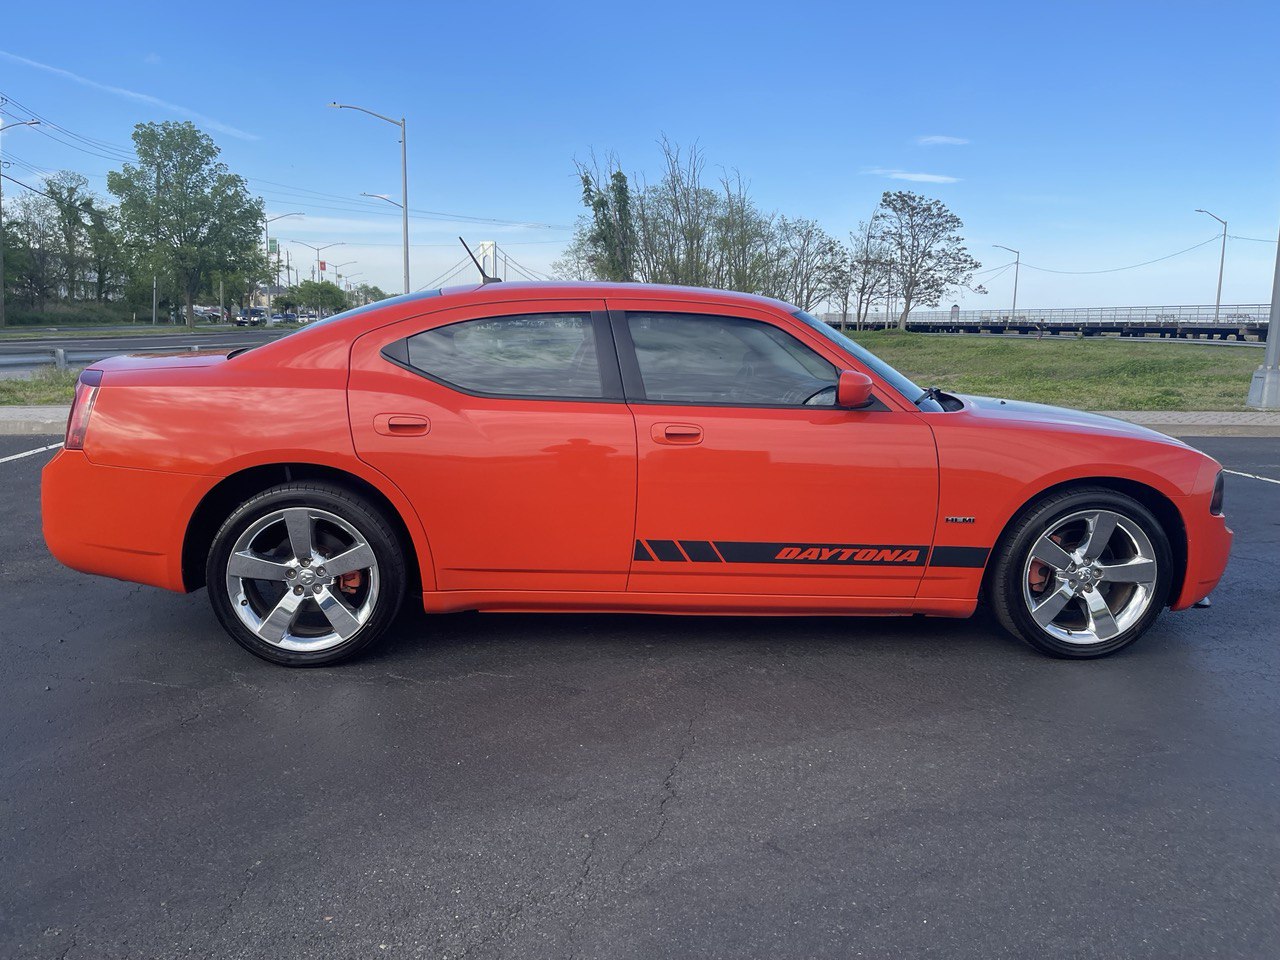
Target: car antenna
(484,277)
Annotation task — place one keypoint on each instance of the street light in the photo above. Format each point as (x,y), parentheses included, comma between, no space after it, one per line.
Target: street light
(275,275)
(404,179)
(16,123)
(317,250)
(1222,261)
(1017,264)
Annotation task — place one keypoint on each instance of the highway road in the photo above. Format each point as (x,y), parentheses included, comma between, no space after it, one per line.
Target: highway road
(488,786)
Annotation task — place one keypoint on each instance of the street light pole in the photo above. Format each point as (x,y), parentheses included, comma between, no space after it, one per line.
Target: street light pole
(19,123)
(1264,391)
(1017,264)
(404,178)
(275,275)
(1222,262)
(318,250)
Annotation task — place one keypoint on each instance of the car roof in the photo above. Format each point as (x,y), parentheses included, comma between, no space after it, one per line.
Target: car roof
(568,289)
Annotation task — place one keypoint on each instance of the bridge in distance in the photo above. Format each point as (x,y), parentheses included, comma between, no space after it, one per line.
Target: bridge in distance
(1241,322)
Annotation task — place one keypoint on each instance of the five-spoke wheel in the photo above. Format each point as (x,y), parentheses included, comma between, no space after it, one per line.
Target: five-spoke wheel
(1082,573)
(305,574)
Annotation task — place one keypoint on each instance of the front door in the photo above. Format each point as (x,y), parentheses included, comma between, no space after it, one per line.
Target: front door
(750,480)
(507,431)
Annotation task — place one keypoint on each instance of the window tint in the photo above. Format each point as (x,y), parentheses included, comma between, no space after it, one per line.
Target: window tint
(687,358)
(536,355)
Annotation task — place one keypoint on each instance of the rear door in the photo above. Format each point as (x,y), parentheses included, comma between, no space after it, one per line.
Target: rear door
(505,425)
(750,480)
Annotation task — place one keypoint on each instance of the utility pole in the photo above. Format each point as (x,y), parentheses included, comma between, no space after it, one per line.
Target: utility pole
(1222,262)
(266,229)
(1017,263)
(154,297)
(20,123)
(404,179)
(1264,391)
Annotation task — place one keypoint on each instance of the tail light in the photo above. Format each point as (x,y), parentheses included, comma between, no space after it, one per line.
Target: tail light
(82,408)
(1215,503)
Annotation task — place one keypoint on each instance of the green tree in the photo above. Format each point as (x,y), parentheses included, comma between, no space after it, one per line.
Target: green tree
(610,236)
(183,210)
(324,296)
(929,255)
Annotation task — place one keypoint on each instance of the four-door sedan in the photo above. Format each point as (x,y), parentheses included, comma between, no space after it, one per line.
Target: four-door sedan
(590,447)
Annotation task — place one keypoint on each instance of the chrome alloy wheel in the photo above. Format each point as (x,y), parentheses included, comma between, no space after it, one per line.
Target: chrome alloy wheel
(1089,577)
(302,579)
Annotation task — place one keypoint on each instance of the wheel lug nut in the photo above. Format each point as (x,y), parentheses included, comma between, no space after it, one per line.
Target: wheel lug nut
(317,588)
(297,590)
(291,574)
(319,571)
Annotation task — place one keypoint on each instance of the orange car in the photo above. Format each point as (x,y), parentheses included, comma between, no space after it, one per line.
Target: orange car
(590,447)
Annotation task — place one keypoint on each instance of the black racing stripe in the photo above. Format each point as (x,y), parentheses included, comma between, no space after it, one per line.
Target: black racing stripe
(959,556)
(641,552)
(700,551)
(847,554)
(666,550)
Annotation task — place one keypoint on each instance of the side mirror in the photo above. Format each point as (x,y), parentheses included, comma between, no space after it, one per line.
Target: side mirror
(853,390)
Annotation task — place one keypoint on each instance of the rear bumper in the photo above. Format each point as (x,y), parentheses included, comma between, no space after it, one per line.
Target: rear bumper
(1208,547)
(116,521)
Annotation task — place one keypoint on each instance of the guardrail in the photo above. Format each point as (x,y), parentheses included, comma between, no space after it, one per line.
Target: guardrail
(63,357)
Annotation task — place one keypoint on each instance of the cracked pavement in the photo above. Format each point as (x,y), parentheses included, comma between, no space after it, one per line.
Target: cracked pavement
(503,786)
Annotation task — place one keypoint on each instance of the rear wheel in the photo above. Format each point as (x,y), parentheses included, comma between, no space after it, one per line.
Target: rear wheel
(305,574)
(1082,573)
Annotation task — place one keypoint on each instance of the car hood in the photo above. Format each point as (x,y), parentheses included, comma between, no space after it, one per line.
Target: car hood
(1043,414)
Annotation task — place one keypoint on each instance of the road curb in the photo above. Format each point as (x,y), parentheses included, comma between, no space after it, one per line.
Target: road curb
(33,421)
(52,420)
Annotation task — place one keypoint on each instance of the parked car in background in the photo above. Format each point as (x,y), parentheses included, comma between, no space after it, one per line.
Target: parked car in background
(588,447)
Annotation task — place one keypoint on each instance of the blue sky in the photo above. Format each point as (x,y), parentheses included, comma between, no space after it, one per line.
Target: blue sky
(1083,134)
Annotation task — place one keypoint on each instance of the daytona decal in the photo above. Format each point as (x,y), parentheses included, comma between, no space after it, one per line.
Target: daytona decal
(845,554)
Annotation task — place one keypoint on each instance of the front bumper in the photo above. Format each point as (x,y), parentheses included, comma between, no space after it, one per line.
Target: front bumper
(1208,548)
(117,521)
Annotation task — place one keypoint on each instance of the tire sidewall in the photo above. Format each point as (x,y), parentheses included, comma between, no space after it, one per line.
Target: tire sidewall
(1040,518)
(351,508)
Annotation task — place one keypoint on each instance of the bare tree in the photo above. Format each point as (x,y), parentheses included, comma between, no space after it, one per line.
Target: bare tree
(808,263)
(929,255)
(869,266)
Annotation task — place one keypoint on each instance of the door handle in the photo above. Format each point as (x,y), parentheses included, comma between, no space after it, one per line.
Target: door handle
(676,433)
(401,425)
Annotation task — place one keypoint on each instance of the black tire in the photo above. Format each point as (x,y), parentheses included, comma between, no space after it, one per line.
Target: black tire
(1012,561)
(384,584)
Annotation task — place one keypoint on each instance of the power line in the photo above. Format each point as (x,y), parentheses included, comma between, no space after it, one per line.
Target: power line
(1254,239)
(27,185)
(1132,266)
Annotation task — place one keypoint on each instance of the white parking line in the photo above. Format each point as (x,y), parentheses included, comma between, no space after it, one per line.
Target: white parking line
(29,453)
(1251,476)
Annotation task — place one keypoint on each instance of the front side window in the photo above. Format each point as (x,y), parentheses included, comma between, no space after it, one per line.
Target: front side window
(689,358)
(533,355)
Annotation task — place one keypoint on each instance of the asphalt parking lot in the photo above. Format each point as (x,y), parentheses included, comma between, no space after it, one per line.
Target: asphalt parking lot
(489,786)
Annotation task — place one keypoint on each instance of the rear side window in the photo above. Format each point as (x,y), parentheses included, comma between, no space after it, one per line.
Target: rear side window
(532,355)
(690,358)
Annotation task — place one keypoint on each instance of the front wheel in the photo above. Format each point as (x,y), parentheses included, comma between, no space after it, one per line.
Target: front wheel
(305,574)
(1082,573)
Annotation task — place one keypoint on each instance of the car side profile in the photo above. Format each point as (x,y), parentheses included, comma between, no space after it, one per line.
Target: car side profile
(614,447)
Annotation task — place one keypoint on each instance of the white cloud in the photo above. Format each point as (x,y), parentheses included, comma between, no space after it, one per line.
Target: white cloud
(209,122)
(940,141)
(152,58)
(914,177)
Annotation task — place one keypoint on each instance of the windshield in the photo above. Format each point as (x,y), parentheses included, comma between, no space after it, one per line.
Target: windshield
(904,385)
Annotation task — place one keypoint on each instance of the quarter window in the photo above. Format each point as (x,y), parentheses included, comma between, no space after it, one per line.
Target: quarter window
(532,355)
(690,358)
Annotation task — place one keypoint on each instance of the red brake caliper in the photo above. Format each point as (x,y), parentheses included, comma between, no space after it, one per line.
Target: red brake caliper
(350,582)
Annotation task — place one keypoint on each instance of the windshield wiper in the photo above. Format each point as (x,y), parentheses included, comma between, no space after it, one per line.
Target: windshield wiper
(932,393)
